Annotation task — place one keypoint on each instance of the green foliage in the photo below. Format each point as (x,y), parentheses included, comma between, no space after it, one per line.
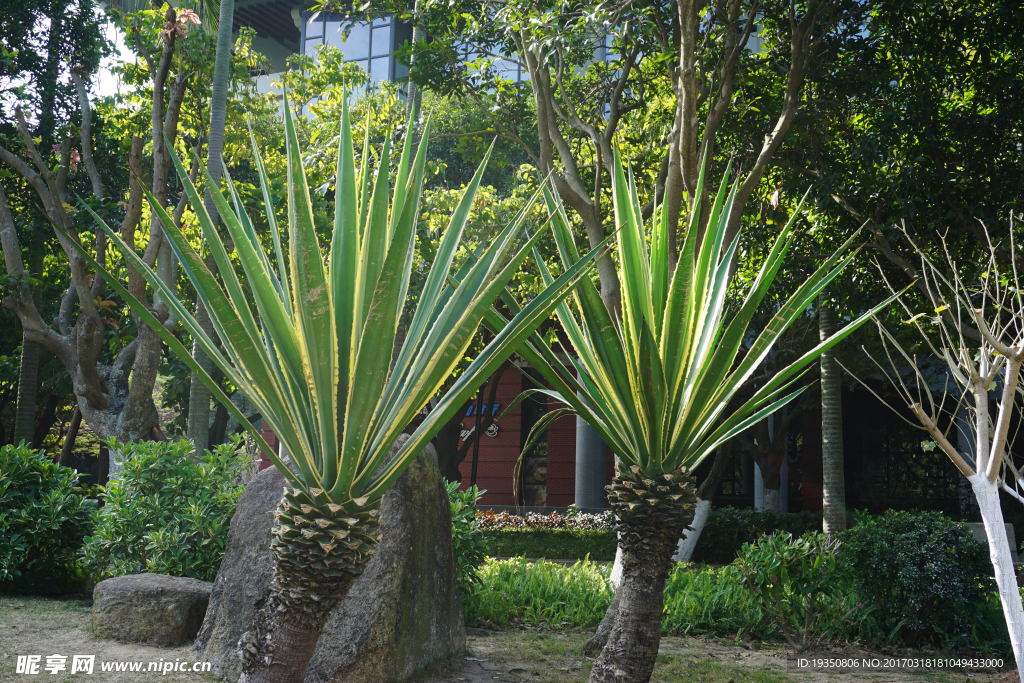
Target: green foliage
(468,540)
(562,544)
(711,600)
(698,600)
(659,385)
(317,365)
(167,513)
(44,517)
(923,573)
(539,593)
(728,529)
(800,583)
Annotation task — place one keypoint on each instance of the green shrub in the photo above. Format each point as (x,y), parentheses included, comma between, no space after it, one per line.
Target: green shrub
(561,544)
(468,540)
(924,574)
(548,594)
(167,513)
(539,593)
(729,529)
(800,584)
(711,600)
(43,520)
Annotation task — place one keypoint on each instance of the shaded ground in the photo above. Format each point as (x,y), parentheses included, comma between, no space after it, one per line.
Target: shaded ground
(47,627)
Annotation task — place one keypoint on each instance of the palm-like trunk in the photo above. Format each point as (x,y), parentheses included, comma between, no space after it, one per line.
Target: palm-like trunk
(28,390)
(319,550)
(686,544)
(833,482)
(199,394)
(651,515)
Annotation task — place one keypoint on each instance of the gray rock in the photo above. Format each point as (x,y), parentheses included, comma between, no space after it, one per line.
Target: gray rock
(149,608)
(402,614)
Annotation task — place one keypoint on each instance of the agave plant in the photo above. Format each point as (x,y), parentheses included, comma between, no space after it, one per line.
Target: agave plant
(315,357)
(657,382)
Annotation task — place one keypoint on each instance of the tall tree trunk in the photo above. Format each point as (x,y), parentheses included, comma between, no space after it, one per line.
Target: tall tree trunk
(198,429)
(987,493)
(103,466)
(69,438)
(28,373)
(414,97)
(833,480)
(28,390)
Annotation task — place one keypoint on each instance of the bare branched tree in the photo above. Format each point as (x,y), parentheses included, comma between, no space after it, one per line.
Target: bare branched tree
(115,398)
(964,373)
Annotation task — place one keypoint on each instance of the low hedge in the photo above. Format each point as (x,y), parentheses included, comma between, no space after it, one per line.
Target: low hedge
(558,544)
(727,529)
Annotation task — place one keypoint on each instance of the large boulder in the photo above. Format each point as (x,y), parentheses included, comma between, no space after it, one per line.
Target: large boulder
(402,614)
(150,608)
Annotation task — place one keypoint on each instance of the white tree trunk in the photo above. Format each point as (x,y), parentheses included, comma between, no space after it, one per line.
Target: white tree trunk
(689,540)
(1002,562)
(616,576)
(771,500)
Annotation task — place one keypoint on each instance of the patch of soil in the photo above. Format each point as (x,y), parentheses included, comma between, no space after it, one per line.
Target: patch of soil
(39,626)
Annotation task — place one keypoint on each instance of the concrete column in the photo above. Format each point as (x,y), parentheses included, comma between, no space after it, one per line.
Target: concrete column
(590,466)
(758,489)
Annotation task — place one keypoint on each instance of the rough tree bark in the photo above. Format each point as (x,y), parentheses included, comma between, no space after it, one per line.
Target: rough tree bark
(69,439)
(198,427)
(768,450)
(28,390)
(833,482)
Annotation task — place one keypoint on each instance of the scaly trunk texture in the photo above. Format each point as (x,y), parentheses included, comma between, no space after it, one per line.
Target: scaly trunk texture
(686,544)
(198,429)
(28,390)
(651,515)
(833,482)
(319,551)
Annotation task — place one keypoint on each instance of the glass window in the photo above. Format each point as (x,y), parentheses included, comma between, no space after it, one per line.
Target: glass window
(381,42)
(310,48)
(315,25)
(358,44)
(379,69)
(333,34)
(382,21)
(401,71)
(361,63)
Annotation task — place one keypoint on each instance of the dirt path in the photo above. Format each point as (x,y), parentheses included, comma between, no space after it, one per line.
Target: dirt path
(36,626)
